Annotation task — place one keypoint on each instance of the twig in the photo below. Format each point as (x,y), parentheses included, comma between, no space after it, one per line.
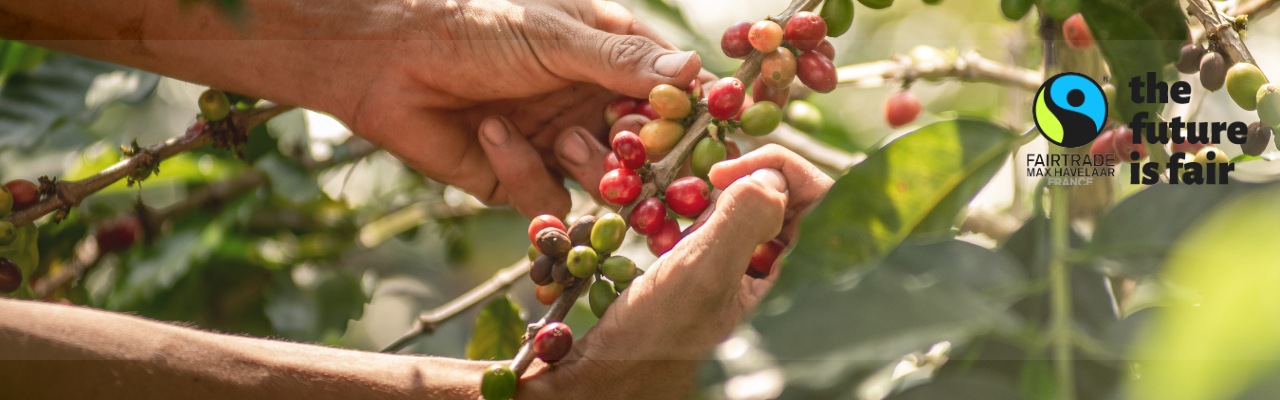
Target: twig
(69,194)
(969,66)
(429,320)
(1220,31)
(821,154)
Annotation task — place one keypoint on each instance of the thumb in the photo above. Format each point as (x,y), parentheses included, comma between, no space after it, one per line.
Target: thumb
(627,64)
(750,211)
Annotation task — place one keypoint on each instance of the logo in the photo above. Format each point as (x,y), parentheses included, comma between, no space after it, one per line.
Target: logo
(1070,109)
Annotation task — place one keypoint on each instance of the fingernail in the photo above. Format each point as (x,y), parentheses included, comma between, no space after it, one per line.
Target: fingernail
(574,149)
(771,178)
(495,131)
(669,65)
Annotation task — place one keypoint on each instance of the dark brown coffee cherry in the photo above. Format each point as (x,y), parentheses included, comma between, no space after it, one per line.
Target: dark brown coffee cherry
(540,271)
(1257,139)
(580,232)
(1213,71)
(10,276)
(1189,63)
(560,273)
(554,243)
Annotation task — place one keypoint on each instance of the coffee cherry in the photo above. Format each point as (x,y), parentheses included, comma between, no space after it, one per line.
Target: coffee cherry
(541,222)
(764,257)
(669,101)
(1076,32)
(778,68)
(580,232)
(1015,9)
(646,109)
(1210,154)
(734,42)
(1059,9)
(7,232)
(762,92)
(724,99)
(666,237)
(1269,105)
(706,153)
(647,217)
(25,193)
(660,135)
(816,71)
(902,109)
(548,293)
(118,234)
(561,275)
(498,383)
(1103,144)
(838,15)
(1256,141)
(688,196)
(611,162)
(825,48)
(6,201)
(553,342)
(804,116)
(554,243)
(1122,140)
(619,269)
(214,105)
(601,296)
(582,261)
(540,271)
(1189,61)
(630,149)
(876,4)
(608,233)
(760,119)
(620,186)
(745,103)
(10,276)
(1213,71)
(1243,82)
(618,109)
(533,252)
(694,89)
(765,36)
(805,30)
(620,286)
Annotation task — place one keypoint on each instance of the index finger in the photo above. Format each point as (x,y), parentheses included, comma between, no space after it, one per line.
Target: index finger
(806,183)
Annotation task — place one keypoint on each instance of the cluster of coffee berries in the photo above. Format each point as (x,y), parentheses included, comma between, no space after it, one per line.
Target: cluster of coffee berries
(15,195)
(798,50)
(562,259)
(1246,85)
(686,197)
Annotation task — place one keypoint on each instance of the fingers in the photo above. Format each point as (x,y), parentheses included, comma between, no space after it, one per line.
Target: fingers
(807,184)
(628,64)
(529,187)
(582,157)
(750,211)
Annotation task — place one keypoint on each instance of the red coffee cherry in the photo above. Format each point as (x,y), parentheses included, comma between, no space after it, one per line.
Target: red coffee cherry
(553,342)
(765,36)
(646,109)
(1103,145)
(10,276)
(548,293)
(25,193)
(666,237)
(902,109)
(724,99)
(805,30)
(541,222)
(648,215)
(816,71)
(629,149)
(618,109)
(1076,32)
(765,256)
(688,196)
(734,42)
(118,234)
(620,186)
(762,92)
(1122,139)
(826,49)
(611,162)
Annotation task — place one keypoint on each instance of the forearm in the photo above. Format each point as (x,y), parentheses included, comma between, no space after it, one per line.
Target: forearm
(57,352)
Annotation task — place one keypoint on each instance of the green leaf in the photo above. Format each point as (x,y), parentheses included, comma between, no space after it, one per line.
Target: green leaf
(168,259)
(1216,349)
(31,102)
(1132,46)
(943,216)
(498,331)
(1246,157)
(880,201)
(289,179)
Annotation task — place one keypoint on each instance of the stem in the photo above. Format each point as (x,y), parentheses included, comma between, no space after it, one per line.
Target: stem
(819,153)
(969,66)
(1060,293)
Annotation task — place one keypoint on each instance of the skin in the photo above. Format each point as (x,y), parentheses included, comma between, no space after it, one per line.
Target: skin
(506,133)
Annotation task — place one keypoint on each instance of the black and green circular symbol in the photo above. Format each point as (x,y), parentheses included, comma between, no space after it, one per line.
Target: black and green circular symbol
(1070,109)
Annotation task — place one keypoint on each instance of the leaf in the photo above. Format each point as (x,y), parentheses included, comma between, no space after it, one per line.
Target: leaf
(288,178)
(1264,156)
(31,102)
(1090,298)
(498,331)
(943,216)
(1216,349)
(316,308)
(880,201)
(168,259)
(1132,46)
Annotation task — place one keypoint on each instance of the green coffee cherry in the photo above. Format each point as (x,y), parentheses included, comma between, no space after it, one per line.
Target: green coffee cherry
(838,15)
(582,261)
(1243,82)
(499,383)
(1269,105)
(761,118)
(7,232)
(619,269)
(1060,9)
(607,234)
(214,105)
(620,286)
(6,201)
(601,297)
(1016,9)
(876,4)
(804,116)
(708,152)
(533,252)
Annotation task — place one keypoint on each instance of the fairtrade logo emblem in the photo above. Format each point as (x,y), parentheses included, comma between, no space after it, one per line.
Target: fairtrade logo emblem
(1070,109)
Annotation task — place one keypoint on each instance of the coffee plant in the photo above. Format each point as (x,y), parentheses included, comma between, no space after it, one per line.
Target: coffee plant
(938,265)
